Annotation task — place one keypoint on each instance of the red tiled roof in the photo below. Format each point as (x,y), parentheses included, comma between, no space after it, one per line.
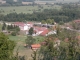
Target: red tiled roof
(77,21)
(29,22)
(19,23)
(40,28)
(44,32)
(36,46)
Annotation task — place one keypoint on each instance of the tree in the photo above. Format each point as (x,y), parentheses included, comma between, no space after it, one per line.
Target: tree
(30,40)
(49,21)
(4,26)
(43,22)
(13,33)
(65,51)
(6,47)
(31,31)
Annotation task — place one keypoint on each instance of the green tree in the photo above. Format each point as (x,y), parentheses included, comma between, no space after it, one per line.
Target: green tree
(43,21)
(6,47)
(4,26)
(13,33)
(49,21)
(31,31)
(30,40)
(65,51)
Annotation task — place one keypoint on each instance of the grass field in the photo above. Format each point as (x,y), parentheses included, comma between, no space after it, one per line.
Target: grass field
(20,41)
(26,9)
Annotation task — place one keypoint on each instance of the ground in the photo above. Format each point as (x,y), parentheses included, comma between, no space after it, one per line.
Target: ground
(26,9)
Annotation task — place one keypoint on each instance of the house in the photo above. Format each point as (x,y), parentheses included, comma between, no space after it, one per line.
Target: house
(40,31)
(77,21)
(45,32)
(27,3)
(52,32)
(44,2)
(35,47)
(22,26)
(30,24)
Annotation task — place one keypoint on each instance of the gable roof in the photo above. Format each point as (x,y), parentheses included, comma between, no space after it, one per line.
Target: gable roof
(36,46)
(44,32)
(40,28)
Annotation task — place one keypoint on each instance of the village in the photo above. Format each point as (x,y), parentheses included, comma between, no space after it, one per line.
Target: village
(39,30)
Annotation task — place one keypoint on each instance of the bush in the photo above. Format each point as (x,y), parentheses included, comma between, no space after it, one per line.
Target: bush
(13,33)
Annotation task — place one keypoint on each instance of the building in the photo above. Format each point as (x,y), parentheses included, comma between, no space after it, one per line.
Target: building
(27,3)
(43,2)
(22,25)
(40,31)
(35,47)
(76,21)
(2,1)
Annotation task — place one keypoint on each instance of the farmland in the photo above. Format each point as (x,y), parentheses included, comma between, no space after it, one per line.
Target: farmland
(26,9)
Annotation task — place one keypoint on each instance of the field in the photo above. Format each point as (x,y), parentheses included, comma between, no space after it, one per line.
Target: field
(26,9)
(20,41)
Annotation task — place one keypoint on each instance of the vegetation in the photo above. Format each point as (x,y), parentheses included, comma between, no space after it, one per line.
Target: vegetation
(6,47)
(29,41)
(13,33)
(4,26)
(26,9)
(13,29)
(48,21)
(62,46)
(64,15)
(31,31)
(53,50)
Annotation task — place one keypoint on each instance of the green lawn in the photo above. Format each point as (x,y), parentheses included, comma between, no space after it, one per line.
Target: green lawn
(22,38)
(26,9)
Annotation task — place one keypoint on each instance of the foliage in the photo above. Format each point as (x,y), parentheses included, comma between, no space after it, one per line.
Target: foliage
(61,22)
(30,40)
(48,21)
(31,31)
(69,51)
(4,26)
(34,55)
(14,28)
(65,15)
(76,25)
(13,33)
(6,47)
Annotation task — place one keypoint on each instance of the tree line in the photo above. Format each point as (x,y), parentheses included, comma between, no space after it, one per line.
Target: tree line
(64,15)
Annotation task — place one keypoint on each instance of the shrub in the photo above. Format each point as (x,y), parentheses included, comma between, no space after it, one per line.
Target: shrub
(13,33)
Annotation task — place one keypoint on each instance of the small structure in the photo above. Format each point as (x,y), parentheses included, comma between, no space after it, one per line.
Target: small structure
(35,47)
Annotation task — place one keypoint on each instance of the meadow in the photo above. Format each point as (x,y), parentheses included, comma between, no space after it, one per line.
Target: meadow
(26,9)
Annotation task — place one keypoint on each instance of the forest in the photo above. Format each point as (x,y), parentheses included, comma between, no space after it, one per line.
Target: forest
(66,14)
